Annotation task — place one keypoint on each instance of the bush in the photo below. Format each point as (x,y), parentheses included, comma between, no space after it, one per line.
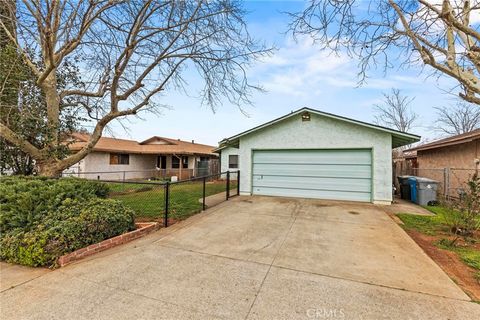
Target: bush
(25,201)
(42,219)
(464,218)
(73,225)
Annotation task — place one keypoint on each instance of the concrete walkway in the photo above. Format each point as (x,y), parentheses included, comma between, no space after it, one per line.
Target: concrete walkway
(12,275)
(254,258)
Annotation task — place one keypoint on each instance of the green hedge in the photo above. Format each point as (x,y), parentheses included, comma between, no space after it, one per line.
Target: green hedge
(25,201)
(42,219)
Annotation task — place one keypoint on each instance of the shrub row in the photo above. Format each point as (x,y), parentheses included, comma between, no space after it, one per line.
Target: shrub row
(43,219)
(25,201)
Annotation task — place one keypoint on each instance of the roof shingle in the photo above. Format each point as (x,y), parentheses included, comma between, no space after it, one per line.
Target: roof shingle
(458,139)
(149,146)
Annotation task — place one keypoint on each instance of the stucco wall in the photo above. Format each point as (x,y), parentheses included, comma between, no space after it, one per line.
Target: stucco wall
(318,133)
(432,162)
(458,156)
(224,158)
(100,162)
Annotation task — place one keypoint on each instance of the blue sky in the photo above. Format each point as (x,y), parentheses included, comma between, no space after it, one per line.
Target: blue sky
(297,75)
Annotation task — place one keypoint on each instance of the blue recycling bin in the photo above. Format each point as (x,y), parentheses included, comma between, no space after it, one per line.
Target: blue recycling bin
(412,181)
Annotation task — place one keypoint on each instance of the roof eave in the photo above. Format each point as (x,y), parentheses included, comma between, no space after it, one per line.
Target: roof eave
(410,138)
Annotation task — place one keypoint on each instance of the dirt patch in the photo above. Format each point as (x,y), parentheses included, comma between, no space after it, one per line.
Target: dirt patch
(322,205)
(450,262)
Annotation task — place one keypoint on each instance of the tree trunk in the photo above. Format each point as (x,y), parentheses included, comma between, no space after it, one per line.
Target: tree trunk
(49,169)
(52,99)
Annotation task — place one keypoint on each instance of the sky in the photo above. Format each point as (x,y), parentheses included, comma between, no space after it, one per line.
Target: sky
(297,75)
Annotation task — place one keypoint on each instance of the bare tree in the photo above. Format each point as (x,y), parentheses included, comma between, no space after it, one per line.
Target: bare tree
(395,111)
(129,53)
(462,118)
(439,34)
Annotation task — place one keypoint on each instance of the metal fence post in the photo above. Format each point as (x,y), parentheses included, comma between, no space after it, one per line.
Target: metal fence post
(203,194)
(238,182)
(446,184)
(167,200)
(228,185)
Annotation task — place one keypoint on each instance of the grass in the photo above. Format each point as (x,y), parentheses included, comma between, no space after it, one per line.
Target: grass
(184,199)
(437,225)
(430,225)
(129,187)
(470,256)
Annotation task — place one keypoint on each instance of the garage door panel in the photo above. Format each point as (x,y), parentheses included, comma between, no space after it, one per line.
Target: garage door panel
(357,157)
(323,174)
(317,194)
(334,184)
(314,170)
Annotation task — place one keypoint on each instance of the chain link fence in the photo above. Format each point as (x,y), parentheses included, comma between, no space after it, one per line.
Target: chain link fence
(170,202)
(452,181)
(141,175)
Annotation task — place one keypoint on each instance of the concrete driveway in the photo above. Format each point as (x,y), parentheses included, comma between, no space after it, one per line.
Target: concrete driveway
(254,258)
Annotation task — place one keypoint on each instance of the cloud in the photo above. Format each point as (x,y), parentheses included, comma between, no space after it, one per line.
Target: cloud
(301,69)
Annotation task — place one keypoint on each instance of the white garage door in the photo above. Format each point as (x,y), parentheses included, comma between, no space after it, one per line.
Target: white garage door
(321,174)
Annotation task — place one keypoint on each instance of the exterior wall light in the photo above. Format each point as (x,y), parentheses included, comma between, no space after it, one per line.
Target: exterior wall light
(306,116)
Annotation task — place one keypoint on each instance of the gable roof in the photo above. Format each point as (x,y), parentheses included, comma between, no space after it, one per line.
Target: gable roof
(171,146)
(450,141)
(398,138)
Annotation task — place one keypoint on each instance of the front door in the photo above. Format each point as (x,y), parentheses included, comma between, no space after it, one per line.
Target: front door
(162,162)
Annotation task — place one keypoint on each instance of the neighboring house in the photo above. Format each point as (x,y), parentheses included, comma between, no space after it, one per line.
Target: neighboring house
(459,155)
(116,159)
(313,154)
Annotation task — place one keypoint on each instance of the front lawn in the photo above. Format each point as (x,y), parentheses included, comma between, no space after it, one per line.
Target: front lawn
(184,199)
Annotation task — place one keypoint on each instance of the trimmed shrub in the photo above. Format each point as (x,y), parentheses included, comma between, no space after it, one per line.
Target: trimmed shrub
(42,219)
(25,201)
(73,225)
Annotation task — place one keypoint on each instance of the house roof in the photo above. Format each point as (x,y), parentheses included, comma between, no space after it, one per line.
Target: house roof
(153,145)
(398,138)
(450,141)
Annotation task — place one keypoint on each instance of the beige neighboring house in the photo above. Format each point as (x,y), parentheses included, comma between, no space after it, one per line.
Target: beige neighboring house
(451,160)
(156,157)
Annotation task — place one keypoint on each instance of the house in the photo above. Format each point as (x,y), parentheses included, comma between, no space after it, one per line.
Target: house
(453,159)
(314,154)
(159,157)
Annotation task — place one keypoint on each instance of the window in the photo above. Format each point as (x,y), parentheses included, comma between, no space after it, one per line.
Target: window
(233,161)
(185,162)
(119,158)
(175,162)
(162,162)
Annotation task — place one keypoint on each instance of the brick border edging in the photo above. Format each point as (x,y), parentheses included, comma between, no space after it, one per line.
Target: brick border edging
(143,229)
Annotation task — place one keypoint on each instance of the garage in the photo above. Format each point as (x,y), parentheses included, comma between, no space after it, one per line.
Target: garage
(322,174)
(314,154)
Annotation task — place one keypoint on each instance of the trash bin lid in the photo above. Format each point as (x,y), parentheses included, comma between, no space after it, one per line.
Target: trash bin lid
(412,178)
(426,180)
